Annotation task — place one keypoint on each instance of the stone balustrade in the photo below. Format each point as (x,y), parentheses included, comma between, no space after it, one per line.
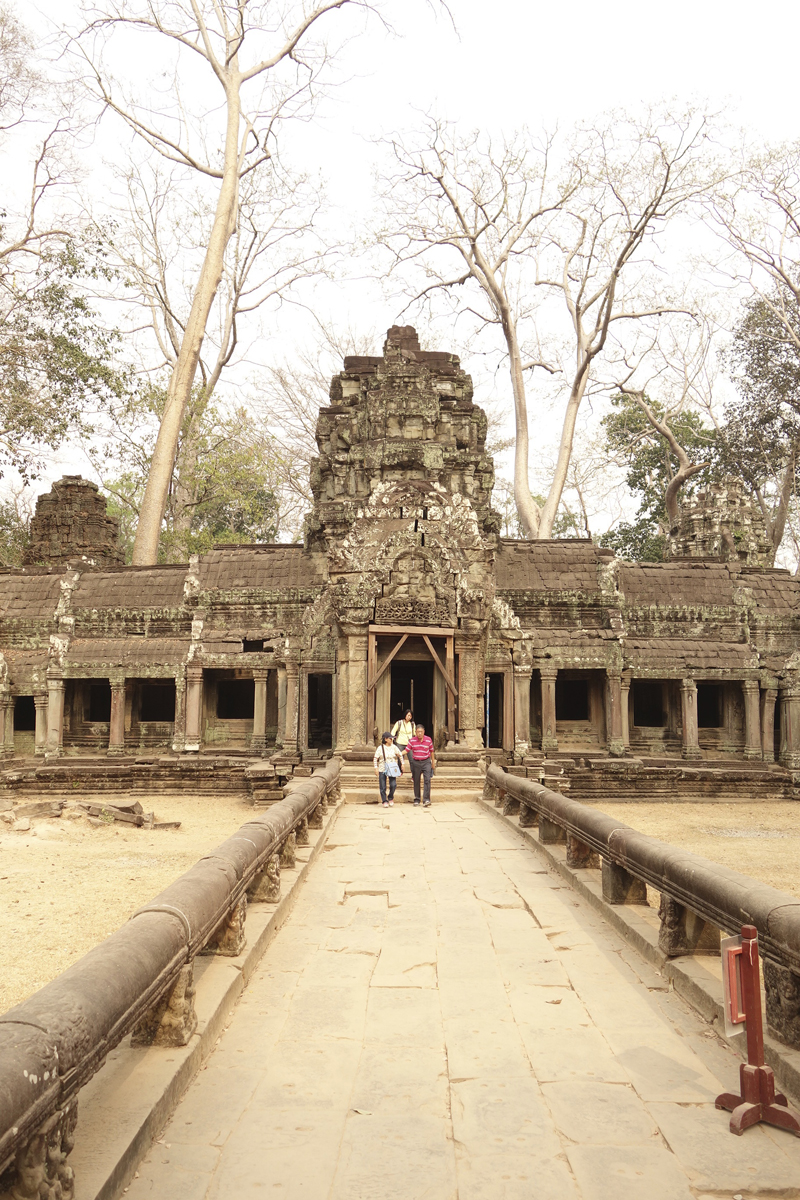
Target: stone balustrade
(698,897)
(138,981)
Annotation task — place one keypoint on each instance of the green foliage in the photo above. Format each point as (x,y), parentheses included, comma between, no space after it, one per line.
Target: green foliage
(15,521)
(761,435)
(651,465)
(223,487)
(56,357)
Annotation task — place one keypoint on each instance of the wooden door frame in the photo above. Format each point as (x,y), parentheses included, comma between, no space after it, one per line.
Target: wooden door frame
(403,633)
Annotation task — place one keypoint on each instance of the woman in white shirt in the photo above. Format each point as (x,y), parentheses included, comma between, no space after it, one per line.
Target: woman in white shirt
(403,731)
(388,764)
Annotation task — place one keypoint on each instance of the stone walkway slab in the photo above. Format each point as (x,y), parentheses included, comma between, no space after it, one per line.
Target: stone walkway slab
(442,1019)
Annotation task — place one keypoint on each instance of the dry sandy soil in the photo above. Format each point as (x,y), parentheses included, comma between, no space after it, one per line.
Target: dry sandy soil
(762,840)
(67,884)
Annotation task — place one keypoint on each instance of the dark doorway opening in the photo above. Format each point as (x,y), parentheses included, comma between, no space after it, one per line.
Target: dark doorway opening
(320,712)
(493,699)
(235,699)
(709,705)
(648,702)
(572,700)
(24,714)
(157,701)
(412,687)
(99,702)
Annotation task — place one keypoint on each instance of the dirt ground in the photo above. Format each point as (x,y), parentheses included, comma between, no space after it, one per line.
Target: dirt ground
(762,840)
(67,884)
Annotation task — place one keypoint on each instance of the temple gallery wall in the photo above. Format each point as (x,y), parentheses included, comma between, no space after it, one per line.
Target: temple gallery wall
(404,594)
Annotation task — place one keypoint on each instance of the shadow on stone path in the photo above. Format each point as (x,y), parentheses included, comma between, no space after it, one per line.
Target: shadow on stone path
(441,1018)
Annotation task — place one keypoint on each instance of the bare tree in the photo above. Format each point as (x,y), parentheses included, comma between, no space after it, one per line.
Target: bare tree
(283,61)
(524,225)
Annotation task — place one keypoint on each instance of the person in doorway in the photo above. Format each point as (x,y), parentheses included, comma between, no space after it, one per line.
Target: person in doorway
(403,731)
(388,764)
(423,764)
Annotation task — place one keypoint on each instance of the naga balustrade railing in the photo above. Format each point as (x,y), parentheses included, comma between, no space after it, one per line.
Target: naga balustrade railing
(698,897)
(139,981)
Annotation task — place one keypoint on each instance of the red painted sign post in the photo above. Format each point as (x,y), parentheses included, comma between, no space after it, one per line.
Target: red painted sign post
(758,1100)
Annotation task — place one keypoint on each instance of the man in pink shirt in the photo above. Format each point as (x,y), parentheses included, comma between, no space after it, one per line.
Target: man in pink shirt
(422,763)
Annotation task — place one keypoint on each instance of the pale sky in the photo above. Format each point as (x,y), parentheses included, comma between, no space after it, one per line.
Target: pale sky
(510,64)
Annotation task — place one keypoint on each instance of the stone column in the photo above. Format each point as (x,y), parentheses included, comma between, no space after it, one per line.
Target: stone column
(752,723)
(292,704)
(768,698)
(470,691)
(625,690)
(116,732)
(548,676)
(40,736)
(55,718)
(614,740)
(522,709)
(194,706)
(790,725)
(8,725)
(691,743)
(258,742)
(281,706)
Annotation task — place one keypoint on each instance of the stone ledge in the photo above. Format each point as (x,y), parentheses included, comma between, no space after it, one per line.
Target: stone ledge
(126,1105)
(691,977)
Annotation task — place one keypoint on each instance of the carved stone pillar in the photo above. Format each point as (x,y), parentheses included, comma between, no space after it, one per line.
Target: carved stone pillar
(116,731)
(40,1166)
(551,834)
(579,855)
(230,940)
(301,833)
(179,726)
(768,698)
(352,689)
(790,725)
(281,706)
(470,694)
(40,736)
(782,988)
(548,676)
(55,718)
(683,932)
(625,691)
(620,887)
(287,852)
(194,706)
(614,740)
(522,709)
(8,725)
(752,723)
(173,1020)
(258,742)
(266,886)
(292,704)
(691,742)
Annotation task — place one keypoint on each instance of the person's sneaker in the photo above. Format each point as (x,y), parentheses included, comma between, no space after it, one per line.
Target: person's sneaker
(391,804)
(427,804)
(416,804)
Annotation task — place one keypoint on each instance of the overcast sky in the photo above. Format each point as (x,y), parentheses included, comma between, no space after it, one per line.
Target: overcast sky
(511,63)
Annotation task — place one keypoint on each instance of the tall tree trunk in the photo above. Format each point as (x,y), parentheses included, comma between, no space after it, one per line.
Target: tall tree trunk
(564,455)
(527,508)
(145,546)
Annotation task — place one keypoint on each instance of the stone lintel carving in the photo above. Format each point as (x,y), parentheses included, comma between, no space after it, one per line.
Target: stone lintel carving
(173,1020)
(683,932)
(266,886)
(230,939)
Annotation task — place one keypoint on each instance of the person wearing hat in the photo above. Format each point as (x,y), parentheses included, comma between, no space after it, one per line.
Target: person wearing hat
(388,764)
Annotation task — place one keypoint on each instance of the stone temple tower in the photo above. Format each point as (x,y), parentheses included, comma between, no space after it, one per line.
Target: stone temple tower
(721,522)
(70,523)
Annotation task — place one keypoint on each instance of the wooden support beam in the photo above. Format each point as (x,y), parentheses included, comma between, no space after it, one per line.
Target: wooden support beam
(373,664)
(447,678)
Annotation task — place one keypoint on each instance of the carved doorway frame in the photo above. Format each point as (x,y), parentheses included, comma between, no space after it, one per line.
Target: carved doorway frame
(403,633)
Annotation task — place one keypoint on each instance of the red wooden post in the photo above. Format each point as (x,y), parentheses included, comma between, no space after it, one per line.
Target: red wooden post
(758,1100)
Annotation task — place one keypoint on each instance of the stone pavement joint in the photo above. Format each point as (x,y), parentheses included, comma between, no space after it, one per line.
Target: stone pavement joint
(443,1018)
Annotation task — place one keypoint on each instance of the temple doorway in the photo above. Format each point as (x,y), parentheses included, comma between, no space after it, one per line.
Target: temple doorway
(412,687)
(412,667)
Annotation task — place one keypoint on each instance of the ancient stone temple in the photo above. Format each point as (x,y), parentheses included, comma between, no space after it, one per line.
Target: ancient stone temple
(405,595)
